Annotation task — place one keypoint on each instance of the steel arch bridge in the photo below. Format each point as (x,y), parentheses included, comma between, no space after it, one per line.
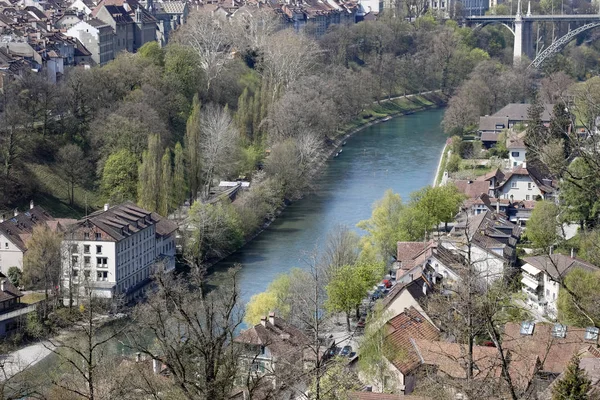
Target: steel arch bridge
(561,42)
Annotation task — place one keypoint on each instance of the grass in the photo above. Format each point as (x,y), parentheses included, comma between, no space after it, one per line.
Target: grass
(31,298)
(52,194)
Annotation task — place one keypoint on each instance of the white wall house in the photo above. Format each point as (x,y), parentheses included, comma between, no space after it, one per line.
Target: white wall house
(518,186)
(114,250)
(541,276)
(97,37)
(516,155)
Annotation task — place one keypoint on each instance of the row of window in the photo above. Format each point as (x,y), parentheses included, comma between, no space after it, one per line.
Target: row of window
(101,262)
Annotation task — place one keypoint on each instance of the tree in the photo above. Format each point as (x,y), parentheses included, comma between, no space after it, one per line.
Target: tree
(166,184)
(578,303)
(382,227)
(589,246)
(198,353)
(219,146)
(73,168)
(119,177)
(149,173)
(215,230)
(542,227)
(574,384)
(274,299)
(42,262)
(15,275)
(579,191)
(192,148)
(535,134)
(179,182)
(341,248)
(348,286)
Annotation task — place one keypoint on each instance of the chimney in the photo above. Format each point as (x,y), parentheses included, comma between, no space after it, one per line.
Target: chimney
(3,285)
(16,212)
(155,366)
(272,318)
(572,252)
(137,357)
(106,206)
(263,321)
(31,204)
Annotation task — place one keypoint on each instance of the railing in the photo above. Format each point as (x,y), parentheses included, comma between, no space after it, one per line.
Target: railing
(18,312)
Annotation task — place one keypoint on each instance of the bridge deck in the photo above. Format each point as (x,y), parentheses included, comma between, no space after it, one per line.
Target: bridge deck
(525,18)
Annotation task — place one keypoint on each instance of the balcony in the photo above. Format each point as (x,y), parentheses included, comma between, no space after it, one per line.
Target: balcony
(530,281)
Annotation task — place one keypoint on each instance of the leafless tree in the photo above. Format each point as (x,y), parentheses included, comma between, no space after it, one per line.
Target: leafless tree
(211,38)
(253,27)
(219,144)
(193,329)
(341,247)
(554,87)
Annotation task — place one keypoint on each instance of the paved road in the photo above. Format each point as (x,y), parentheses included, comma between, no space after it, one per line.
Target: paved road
(22,359)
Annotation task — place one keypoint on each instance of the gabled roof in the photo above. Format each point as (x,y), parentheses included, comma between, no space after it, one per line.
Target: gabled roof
(472,189)
(10,291)
(518,112)
(497,173)
(409,324)
(492,124)
(406,252)
(558,265)
(20,227)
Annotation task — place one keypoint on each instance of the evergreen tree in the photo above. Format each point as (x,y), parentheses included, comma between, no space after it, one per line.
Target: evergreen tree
(535,133)
(149,176)
(559,125)
(166,184)
(179,185)
(192,146)
(574,385)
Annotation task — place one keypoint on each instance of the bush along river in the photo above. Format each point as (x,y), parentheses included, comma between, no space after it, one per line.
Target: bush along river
(401,154)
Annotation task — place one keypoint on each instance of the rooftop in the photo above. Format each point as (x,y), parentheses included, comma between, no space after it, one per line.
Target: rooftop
(519,111)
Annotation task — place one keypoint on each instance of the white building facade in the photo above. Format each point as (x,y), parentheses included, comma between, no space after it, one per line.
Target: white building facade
(114,251)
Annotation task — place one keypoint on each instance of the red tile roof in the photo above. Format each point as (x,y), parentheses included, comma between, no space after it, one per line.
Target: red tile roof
(472,189)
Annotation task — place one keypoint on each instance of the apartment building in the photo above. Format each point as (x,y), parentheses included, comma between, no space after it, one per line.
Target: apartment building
(113,251)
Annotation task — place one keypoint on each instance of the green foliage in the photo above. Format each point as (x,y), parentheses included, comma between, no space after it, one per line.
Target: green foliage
(338,382)
(453,164)
(15,274)
(192,148)
(182,69)
(42,261)
(581,308)
(216,230)
(574,384)
(251,158)
(437,204)
(542,227)
(166,184)
(149,173)
(179,182)
(383,224)
(119,177)
(34,326)
(271,300)
(579,190)
(589,246)
(153,52)
(258,204)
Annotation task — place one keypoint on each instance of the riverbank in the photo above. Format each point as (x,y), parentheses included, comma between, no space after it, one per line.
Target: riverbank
(379,112)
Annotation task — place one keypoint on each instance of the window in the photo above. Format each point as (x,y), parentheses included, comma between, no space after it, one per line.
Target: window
(98,249)
(6,245)
(86,260)
(591,333)
(529,185)
(74,260)
(515,154)
(513,184)
(559,330)
(102,275)
(86,274)
(548,292)
(86,248)
(74,248)
(527,327)
(101,262)
(75,272)
(526,197)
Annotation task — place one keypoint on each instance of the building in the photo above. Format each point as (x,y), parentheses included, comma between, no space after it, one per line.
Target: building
(541,277)
(429,259)
(272,352)
(113,251)
(522,182)
(97,37)
(16,231)
(11,309)
(121,23)
(490,126)
(517,151)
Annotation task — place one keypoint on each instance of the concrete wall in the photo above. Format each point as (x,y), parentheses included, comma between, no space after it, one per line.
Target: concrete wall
(10,255)
(521,187)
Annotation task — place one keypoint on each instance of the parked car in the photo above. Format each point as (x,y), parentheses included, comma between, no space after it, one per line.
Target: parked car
(387,283)
(346,351)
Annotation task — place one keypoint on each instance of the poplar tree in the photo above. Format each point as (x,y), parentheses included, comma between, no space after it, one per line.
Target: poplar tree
(243,116)
(179,184)
(256,115)
(166,184)
(574,385)
(149,175)
(192,146)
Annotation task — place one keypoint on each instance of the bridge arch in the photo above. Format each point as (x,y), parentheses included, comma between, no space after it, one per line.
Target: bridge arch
(561,42)
(481,25)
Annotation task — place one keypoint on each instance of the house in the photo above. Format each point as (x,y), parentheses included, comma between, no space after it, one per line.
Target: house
(541,277)
(517,113)
(83,6)
(490,128)
(403,363)
(169,15)
(517,150)
(97,37)
(368,395)
(472,189)
(121,23)
(491,240)
(523,182)
(113,251)
(590,363)
(430,259)
(552,344)
(272,352)
(16,231)
(11,309)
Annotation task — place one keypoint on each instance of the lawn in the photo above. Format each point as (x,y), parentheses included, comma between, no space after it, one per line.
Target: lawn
(31,298)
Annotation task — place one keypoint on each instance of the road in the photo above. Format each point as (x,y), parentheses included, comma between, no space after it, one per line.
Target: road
(19,360)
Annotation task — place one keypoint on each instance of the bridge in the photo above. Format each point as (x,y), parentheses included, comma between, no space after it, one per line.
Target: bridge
(521,26)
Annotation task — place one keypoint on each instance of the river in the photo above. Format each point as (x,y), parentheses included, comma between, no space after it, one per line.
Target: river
(401,154)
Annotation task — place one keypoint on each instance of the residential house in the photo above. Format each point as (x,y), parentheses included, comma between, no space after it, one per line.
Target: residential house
(589,362)
(315,16)
(517,150)
(113,251)
(169,15)
(17,230)
(472,189)
(406,295)
(490,128)
(272,352)
(11,309)
(552,344)
(369,395)
(523,182)
(542,276)
(429,259)
(410,324)
(144,24)
(83,6)
(68,19)
(97,37)
(491,240)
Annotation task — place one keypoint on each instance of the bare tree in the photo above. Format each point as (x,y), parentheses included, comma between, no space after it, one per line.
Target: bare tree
(73,167)
(193,329)
(341,248)
(219,144)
